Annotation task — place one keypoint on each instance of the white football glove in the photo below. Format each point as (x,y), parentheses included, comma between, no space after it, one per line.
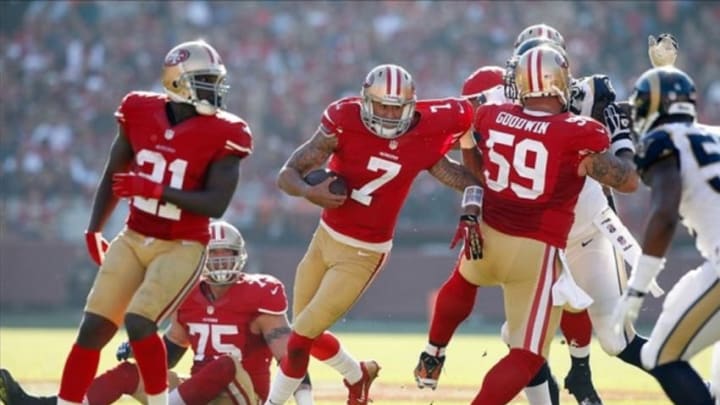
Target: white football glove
(663,50)
(627,309)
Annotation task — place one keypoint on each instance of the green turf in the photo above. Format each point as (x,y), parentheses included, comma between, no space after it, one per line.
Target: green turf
(36,356)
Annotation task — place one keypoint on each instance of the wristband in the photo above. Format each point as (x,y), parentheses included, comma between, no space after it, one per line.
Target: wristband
(472,195)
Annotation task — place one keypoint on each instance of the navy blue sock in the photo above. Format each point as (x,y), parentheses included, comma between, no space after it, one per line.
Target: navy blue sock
(682,384)
(631,354)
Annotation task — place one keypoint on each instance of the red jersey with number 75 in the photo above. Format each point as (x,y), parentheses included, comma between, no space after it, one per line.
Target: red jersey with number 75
(178,156)
(222,326)
(380,171)
(531,162)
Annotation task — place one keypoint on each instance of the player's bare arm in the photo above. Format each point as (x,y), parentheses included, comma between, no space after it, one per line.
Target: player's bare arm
(120,157)
(665,182)
(611,171)
(275,330)
(312,154)
(453,174)
(213,200)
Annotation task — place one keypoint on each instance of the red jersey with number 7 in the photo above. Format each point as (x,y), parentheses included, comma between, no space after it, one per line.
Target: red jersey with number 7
(379,171)
(178,156)
(531,162)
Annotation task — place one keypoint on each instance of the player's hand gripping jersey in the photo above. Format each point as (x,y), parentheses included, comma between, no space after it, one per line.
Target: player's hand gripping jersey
(223,326)
(527,192)
(177,157)
(380,171)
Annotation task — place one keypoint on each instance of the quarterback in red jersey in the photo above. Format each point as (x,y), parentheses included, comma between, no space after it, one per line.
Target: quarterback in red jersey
(535,157)
(234,323)
(378,143)
(176,158)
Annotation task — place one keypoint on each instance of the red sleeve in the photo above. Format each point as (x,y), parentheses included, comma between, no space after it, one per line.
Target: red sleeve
(125,105)
(330,121)
(592,137)
(239,140)
(465,119)
(479,115)
(273,300)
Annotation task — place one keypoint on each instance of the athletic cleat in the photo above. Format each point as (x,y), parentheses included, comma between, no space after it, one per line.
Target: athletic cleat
(358,392)
(427,372)
(10,391)
(578,382)
(554,390)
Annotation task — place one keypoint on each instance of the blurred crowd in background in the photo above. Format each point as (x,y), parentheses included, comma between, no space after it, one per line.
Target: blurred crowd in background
(66,65)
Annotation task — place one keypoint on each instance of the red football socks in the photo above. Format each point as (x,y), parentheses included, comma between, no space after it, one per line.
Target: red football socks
(111,385)
(295,363)
(508,377)
(577,328)
(209,382)
(454,303)
(80,368)
(151,358)
(325,346)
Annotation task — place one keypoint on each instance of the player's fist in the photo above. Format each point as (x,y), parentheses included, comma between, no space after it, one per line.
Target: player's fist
(124,351)
(134,185)
(96,246)
(468,230)
(663,50)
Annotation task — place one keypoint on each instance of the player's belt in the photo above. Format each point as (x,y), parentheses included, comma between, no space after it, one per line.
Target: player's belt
(610,225)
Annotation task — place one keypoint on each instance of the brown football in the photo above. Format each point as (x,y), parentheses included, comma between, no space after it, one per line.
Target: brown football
(317,176)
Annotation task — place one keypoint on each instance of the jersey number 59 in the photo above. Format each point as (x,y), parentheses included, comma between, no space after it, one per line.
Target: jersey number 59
(520,151)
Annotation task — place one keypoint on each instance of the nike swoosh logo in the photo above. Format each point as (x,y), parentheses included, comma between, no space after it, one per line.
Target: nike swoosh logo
(587,242)
(274,290)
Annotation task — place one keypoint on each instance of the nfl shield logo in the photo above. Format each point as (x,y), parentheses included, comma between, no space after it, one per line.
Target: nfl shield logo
(210,310)
(393,144)
(169,133)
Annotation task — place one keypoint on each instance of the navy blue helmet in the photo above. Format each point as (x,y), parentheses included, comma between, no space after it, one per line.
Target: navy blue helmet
(661,92)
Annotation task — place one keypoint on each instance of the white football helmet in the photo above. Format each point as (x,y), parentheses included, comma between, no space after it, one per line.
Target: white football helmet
(221,267)
(389,85)
(194,73)
(540,31)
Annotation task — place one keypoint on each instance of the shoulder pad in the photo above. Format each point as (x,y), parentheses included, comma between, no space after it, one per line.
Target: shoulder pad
(654,146)
(334,113)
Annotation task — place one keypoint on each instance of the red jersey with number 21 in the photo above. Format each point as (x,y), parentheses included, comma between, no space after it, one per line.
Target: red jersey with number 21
(531,161)
(379,171)
(178,156)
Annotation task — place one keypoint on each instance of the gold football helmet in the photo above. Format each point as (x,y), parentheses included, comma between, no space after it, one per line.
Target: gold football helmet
(542,72)
(194,73)
(226,254)
(390,85)
(540,31)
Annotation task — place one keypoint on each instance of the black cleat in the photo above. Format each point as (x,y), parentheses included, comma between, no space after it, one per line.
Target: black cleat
(10,391)
(427,371)
(578,382)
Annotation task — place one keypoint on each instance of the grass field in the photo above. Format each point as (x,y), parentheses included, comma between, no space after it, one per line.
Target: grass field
(36,356)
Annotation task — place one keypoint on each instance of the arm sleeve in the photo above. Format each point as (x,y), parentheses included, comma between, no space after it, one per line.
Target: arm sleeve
(274,300)
(239,141)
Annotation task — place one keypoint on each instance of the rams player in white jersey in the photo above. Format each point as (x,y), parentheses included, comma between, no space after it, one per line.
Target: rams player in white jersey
(679,159)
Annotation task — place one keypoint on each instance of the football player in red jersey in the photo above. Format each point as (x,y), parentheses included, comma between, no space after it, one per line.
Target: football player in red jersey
(176,158)
(535,158)
(379,143)
(234,323)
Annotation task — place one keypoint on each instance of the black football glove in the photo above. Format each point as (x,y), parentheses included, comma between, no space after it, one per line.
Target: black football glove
(124,352)
(620,126)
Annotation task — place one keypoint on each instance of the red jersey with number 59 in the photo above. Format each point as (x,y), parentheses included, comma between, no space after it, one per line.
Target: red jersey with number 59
(223,326)
(178,156)
(379,171)
(531,162)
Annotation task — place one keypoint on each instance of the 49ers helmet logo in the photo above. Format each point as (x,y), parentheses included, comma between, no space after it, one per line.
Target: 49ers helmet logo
(179,56)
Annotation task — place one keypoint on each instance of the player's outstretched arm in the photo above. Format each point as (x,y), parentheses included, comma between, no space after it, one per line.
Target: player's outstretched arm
(611,171)
(453,174)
